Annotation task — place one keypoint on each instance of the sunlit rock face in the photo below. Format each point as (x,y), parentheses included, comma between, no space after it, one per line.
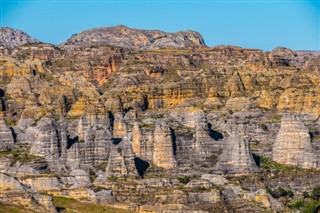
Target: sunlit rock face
(163,155)
(121,159)
(46,142)
(6,137)
(236,158)
(122,36)
(293,144)
(11,38)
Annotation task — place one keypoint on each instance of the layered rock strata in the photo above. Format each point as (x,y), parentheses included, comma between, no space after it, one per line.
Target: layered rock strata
(92,143)
(163,155)
(121,159)
(143,143)
(236,158)
(47,143)
(6,137)
(293,144)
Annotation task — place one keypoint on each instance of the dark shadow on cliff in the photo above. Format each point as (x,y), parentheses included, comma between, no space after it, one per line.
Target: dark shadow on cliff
(60,209)
(14,135)
(141,166)
(127,110)
(71,141)
(2,101)
(214,134)
(116,141)
(1,93)
(311,135)
(174,141)
(111,119)
(256,159)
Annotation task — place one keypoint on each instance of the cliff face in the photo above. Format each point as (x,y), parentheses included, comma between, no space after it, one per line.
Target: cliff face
(87,118)
(6,139)
(163,147)
(293,144)
(236,157)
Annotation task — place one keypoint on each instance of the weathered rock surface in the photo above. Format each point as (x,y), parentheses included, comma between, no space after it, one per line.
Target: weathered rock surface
(163,155)
(122,36)
(46,142)
(6,138)
(293,144)
(12,191)
(236,157)
(10,38)
(121,159)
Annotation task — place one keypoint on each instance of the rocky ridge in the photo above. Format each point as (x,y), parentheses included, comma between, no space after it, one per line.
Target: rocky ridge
(122,36)
(11,38)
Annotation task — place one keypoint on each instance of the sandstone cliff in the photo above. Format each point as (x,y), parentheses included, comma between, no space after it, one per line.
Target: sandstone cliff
(236,157)
(163,155)
(293,144)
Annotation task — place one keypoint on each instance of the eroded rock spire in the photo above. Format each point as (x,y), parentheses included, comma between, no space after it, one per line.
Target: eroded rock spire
(293,144)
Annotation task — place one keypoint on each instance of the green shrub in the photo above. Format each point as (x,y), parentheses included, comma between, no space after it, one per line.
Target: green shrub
(297,205)
(311,207)
(305,194)
(280,192)
(113,179)
(184,179)
(92,175)
(213,159)
(315,194)
(2,62)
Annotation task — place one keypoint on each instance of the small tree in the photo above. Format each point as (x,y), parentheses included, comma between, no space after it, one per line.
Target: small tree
(315,194)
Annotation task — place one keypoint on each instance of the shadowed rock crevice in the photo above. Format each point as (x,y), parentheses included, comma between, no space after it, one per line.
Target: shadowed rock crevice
(214,134)
(116,141)
(141,166)
(71,141)
(174,141)
(14,135)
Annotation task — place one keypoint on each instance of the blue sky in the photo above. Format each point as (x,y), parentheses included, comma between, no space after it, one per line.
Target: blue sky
(255,24)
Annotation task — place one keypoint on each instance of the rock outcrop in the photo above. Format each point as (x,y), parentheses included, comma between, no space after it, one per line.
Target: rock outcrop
(92,143)
(10,38)
(163,155)
(122,36)
(47,143)
(13,192)
(204,144)
(143,143)
(119,126)
(6,137)
(121,159)
(236,158)
(293,144)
